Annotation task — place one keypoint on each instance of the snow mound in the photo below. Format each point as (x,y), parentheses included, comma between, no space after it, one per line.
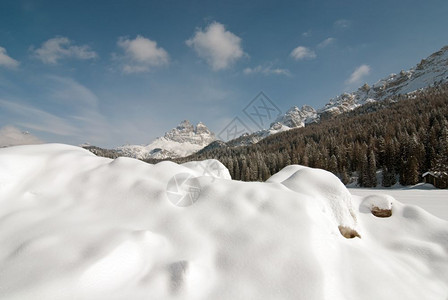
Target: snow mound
(209,167)
(89,227)
(379,201)
(323,186)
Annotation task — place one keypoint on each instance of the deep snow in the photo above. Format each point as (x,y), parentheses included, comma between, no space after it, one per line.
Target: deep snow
(77,226)
(426,196)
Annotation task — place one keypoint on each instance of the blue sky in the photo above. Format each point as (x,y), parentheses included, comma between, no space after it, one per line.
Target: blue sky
(116,72)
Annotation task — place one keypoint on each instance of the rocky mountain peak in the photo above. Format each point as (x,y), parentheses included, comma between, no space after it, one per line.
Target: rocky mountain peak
(294,117)
(202,129)
(180,141)
(187,132)
(185,126)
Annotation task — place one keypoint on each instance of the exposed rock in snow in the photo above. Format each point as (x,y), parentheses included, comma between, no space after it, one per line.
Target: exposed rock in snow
(181,141)
(379,205)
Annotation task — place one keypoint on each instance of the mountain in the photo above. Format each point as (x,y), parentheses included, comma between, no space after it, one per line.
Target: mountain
(430,71)
(294,118)
(186,139)
(181,141)
(379,143)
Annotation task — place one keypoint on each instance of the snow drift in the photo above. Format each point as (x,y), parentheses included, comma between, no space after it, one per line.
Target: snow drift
(73,225)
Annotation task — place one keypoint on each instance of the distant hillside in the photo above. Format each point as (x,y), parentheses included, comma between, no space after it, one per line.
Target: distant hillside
(430,71)
(404,136)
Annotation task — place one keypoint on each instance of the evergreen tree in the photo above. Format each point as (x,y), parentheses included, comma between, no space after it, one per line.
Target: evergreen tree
(372,169)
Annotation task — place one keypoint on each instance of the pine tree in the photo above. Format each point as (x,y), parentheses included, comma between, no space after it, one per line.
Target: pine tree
(388,177)
(372,169)
(363,175)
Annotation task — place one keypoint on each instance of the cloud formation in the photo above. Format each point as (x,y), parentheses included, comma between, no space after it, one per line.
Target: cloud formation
(141,54)
(266,70)
(7,61)
(12,136)
(219,47)
(55,49)
(325,43)
(358,74)
(71,115)
(302,52)
(307,33)
(67,91)
(34,118)
(342,24)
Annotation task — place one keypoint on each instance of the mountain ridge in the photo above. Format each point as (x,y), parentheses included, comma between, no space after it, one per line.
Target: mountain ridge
(186,139)
(429,71)
(183,140)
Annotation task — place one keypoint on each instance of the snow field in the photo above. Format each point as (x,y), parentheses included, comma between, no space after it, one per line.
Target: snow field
(73,225)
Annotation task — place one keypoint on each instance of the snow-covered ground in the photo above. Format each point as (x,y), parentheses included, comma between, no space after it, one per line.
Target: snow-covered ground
(77,226)
(426,196)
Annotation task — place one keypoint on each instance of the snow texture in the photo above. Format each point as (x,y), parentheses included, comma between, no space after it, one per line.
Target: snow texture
(73,225)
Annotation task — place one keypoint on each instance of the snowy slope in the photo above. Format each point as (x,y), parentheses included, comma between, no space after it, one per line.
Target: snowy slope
(432,70)
(73,225)
(181,141)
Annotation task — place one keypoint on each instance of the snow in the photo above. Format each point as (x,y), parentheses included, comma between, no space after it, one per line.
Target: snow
(322,186)
(433,200)
(73,225)
(379,201)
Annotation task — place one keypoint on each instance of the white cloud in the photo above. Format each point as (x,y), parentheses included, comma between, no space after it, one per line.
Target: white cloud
(58,48)
(219,47)
(358,74)
(342,24)
(12,136)
(325,43)
(7,61)
(266,70)
(301,52)
(37,119)
(72,113)
(70,92)
(141,54)
(307,33)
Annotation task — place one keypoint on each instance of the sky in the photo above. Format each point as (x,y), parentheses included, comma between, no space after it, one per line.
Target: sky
(111,72)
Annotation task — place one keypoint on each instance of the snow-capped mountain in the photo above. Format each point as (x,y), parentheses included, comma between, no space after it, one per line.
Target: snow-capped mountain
(431,70)
(181,141)
(294,118)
